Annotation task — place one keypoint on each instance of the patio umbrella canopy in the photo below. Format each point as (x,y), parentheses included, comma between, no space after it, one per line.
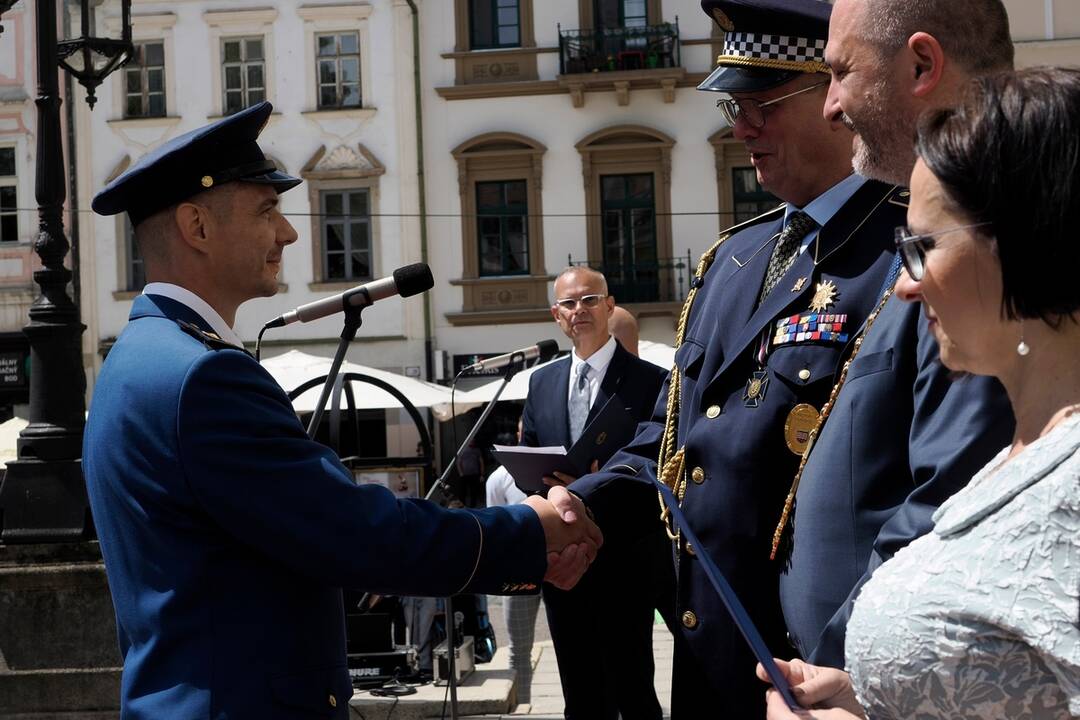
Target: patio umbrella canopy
(294,368)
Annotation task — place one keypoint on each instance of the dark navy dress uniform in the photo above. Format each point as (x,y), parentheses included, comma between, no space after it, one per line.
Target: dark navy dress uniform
(602,631)
(737,464)
(228,534)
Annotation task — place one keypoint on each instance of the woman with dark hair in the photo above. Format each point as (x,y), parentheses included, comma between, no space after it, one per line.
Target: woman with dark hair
(979,618)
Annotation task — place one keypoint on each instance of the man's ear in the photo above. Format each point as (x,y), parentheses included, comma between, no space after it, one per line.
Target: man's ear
(927,63)
(195,225)
(555,313)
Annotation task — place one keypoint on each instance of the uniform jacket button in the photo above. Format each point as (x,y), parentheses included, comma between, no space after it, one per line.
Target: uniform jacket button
(712,412)
(333,701)
(804,374)
(689,620)
(697,475)
(690,550)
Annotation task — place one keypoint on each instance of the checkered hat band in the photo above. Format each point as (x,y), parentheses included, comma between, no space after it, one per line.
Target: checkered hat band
(774,47)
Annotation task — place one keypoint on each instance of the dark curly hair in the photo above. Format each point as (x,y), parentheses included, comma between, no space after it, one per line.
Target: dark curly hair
(1009,155)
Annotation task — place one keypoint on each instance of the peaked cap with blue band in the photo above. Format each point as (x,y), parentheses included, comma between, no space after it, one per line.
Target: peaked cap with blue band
(767,42)
(215,154)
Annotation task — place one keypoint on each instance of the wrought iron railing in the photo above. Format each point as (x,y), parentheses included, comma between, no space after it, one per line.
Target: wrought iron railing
(645,47)
(660,280)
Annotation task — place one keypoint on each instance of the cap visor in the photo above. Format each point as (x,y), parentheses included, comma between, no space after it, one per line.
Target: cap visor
(729,79)
(278,179)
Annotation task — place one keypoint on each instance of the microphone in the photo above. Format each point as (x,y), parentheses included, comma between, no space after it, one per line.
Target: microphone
(406,282)
(545,350)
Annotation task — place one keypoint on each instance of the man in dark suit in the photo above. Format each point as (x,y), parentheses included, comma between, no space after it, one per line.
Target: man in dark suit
(602,634)
(756,369)
(850,517)
(227,533)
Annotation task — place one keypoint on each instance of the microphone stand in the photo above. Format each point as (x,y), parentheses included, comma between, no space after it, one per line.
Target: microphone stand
(517,362)
(348,333)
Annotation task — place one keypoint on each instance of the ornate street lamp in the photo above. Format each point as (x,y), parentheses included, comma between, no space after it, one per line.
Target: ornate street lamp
(90,59)
(43,496)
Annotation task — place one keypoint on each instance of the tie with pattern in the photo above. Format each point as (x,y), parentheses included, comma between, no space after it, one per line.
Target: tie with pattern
(786,250)
(579,402)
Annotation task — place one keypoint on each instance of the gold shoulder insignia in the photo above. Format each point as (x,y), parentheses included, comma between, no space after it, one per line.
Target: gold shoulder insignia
(209,339)
(901,196)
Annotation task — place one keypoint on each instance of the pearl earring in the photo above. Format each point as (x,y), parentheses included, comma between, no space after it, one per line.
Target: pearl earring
(1022,349)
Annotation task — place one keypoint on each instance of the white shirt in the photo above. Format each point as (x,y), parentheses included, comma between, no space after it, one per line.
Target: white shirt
(598,362)
(501,489)
(197,305)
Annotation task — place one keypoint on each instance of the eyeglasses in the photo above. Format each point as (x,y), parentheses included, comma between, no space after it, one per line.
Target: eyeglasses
(913,248)
(587,301)
(751,110)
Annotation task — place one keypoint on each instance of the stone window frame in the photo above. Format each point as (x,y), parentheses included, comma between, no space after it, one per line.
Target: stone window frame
(495,26)
(236,24)
(323,19)
(501,298)
(728,153)
(147,28)
(342,179)
(486,66)
(628,150)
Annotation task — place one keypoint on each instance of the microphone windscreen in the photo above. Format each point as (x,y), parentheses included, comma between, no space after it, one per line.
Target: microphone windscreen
(548,349)
(413,279)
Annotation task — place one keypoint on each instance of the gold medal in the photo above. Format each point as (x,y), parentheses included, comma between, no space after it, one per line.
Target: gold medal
(800,421)
(824,296)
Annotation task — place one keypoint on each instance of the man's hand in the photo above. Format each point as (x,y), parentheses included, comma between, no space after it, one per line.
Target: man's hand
(572,537)
(558,479)
(828,690)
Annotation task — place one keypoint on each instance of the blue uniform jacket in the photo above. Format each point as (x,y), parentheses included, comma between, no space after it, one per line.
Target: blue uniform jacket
(630,380)
(227,533)
(739,466)
(902,437)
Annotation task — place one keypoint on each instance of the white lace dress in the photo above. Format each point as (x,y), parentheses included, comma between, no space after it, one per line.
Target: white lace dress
(980,618)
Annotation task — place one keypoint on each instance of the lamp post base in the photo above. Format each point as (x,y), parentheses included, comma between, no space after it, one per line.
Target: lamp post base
(57,634)
(44,501)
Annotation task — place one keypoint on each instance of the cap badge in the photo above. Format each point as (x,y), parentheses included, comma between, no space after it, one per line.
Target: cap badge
(722,20)
(207,181)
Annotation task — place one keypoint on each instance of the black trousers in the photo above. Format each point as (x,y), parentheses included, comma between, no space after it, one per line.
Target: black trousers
(602,630)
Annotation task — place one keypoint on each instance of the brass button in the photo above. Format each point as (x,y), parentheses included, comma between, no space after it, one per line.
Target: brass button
(804,374)
(689,619)
(712,412)
(698,475)
(333,701)
(690,550)
(207,181)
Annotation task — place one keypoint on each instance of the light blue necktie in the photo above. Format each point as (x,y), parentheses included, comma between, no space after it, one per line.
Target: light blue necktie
(579,402)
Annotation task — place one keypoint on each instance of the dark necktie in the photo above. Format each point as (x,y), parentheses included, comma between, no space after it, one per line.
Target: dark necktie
(786,250)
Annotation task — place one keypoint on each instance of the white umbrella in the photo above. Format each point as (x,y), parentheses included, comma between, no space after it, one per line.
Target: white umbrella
(294,368)
(518,387)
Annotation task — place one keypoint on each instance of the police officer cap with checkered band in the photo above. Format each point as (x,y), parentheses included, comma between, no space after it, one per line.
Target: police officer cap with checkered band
(210,156)
(767,42)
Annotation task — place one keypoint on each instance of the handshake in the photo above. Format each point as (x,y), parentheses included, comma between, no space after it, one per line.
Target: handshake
(572,537)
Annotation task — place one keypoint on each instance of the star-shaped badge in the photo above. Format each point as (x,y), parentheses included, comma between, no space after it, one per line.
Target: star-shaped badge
(824,295)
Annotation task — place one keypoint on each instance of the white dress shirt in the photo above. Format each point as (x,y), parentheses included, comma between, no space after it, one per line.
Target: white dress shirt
(197,305)
(598,362)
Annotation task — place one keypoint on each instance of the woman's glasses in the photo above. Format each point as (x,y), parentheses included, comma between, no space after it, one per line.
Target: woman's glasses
(751,110)
(913,248)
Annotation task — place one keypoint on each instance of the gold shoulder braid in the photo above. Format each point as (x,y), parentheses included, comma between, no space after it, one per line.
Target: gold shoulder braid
(789,502)
(670,464)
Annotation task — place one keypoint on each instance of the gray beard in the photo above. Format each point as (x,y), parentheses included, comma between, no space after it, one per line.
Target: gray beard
(895,170)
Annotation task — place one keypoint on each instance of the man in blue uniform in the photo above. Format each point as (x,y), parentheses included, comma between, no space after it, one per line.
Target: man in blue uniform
(772,316)
(227,533)
(602,634)
(852,516)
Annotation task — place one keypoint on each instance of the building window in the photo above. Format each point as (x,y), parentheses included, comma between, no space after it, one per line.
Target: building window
(9,204)
(144,81)
(502,211)
(243,77)
(135,273)
(346,234)
(620,13)
(338,68)
(628,205)
(750,199)
(495,23)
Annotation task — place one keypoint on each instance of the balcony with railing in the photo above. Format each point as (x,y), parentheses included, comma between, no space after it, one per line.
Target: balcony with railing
(663,280)
(620,59)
